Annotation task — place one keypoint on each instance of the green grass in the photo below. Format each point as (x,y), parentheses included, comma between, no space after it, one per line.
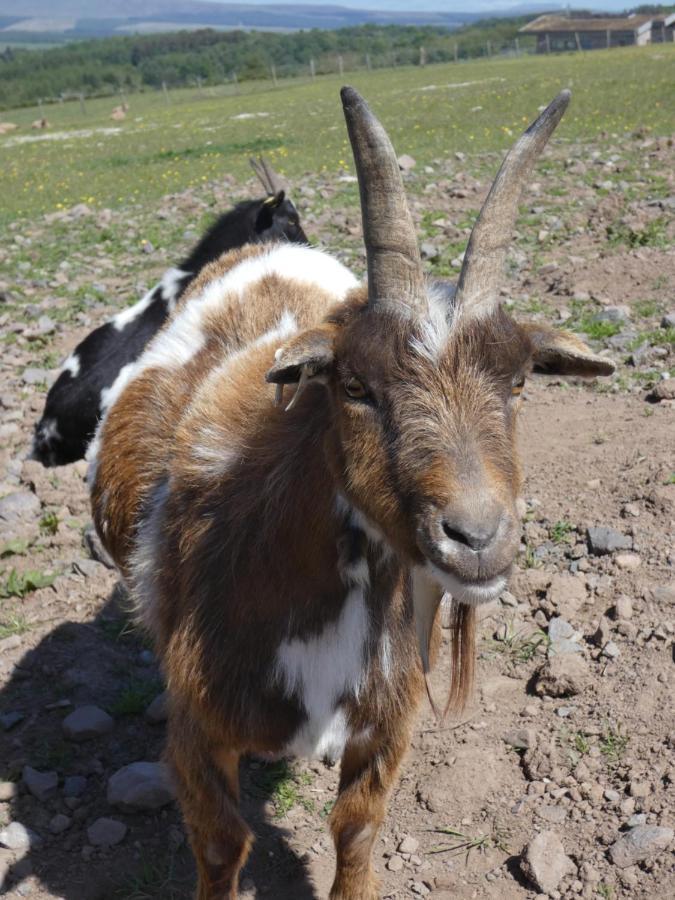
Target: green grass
(613,744)
(283,784)
(519,646)
(164,148)
(18,584)
(49,523)
(465,843)
(560,531)
(13,625)
(134,697)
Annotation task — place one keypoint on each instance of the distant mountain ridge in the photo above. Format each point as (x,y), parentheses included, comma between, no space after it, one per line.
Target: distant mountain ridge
(74,18)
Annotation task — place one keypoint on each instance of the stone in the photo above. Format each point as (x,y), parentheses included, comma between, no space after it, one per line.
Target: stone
(17,837)
(10,719)
(602,541)
(668,321)
(32,375)
(140,785)
(74,786)
(408,844)
(562,675)
(567,592)
(87,722)
(545,862)
(8,791)
(60,823)
(627,561)
(158,710)
(663,390)
(638,844)
(624,608)
(42,785)
(395,864)
(611,650)
(19,506)
(106,832)
(406,162)
(521,738)
(616,314)
(559,629)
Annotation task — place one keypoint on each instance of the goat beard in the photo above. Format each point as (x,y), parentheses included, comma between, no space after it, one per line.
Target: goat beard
(427,596)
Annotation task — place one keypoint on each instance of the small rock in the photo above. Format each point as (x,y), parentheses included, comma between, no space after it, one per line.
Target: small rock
(545,862)
(17,837)
(87,722)
(617,314)
(8,791)
(627,561)
(408,844)
(106,832)
(428,250)
(602,541)
(668,321)
(559,629)
(624,608)
(556,815)
(640,789)
(158,710)
(141,785)
(406,162)
(663,390)
(42,785)
(639,843)
(611,650)
(562,676)
(60,823)
(32,375)
(19,506)
(637,819)
(74,786)
(395,864)
(521,738)
(567,592)
(10,719)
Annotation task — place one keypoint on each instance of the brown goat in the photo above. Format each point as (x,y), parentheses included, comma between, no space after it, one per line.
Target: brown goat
(289,562)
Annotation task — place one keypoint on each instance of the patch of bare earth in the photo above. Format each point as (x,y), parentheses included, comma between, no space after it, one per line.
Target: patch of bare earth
(558,778)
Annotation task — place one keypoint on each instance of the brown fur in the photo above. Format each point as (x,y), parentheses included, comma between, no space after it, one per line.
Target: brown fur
(250,547)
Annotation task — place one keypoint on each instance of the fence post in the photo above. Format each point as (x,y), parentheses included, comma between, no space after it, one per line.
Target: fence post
(456,48)
(517,47)
(274,74)
(83,109)
(341,64)
(609,39)
(576,38)
(236,82)
(368,64)
(489,49)
(165,92)
(423,57)
(548,42)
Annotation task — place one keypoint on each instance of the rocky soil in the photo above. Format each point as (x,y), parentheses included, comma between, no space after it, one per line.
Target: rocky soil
(558,781)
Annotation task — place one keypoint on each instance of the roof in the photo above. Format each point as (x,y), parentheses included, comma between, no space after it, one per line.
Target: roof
(592,23)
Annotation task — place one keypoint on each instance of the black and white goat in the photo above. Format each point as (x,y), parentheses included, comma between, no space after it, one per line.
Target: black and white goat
(77,398)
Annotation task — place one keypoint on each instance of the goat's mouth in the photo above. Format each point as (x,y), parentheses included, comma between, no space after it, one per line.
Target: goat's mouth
(471,592)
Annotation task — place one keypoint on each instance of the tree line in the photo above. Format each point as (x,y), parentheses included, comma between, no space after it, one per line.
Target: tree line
(105,66)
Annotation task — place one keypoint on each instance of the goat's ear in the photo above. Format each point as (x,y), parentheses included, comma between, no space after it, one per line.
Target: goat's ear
(274,200)
(311,351)
(563,353)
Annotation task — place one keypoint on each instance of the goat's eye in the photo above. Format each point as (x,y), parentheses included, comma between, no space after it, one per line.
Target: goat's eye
(355,389)
(517,387)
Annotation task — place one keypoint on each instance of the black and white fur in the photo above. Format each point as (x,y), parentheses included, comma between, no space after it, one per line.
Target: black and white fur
(77,398)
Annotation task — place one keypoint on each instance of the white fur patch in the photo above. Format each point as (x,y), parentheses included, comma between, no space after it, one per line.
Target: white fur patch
(128,315)
(144,557)
(434,329)
(72,365)
(171,284)
(471,594)
(321,670)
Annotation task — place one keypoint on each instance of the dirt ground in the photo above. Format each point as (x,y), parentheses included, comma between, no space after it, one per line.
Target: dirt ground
(586,756)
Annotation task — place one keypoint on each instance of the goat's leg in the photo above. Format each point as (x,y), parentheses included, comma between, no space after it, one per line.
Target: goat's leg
(366,777)
(208,790)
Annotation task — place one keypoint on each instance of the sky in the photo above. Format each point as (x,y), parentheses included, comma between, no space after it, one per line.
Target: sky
(478,6)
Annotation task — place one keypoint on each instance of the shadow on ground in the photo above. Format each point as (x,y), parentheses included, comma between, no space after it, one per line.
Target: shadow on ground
(105,661)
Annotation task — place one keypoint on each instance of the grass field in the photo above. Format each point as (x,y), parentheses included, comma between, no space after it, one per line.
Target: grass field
(430,113)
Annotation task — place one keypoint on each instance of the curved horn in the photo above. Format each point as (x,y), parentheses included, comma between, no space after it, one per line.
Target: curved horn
(394,263)
(491,235)
(268,177)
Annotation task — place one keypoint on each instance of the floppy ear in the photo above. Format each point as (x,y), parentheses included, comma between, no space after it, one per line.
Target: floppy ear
(309,353)
(563,353)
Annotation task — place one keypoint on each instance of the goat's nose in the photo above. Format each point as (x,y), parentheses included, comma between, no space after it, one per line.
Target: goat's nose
(474,535)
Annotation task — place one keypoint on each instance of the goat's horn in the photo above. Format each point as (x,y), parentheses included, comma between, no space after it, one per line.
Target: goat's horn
(483,264)
(268,177)
(392,253)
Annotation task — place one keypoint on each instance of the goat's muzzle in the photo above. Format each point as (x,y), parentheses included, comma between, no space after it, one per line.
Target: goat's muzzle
(469,553)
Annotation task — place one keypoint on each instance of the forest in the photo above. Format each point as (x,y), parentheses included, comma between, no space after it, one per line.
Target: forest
(107,66)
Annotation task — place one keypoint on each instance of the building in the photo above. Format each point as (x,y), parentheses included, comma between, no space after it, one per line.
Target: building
(559,33)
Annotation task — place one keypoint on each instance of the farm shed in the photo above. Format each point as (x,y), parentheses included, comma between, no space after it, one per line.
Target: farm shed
(556,33)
